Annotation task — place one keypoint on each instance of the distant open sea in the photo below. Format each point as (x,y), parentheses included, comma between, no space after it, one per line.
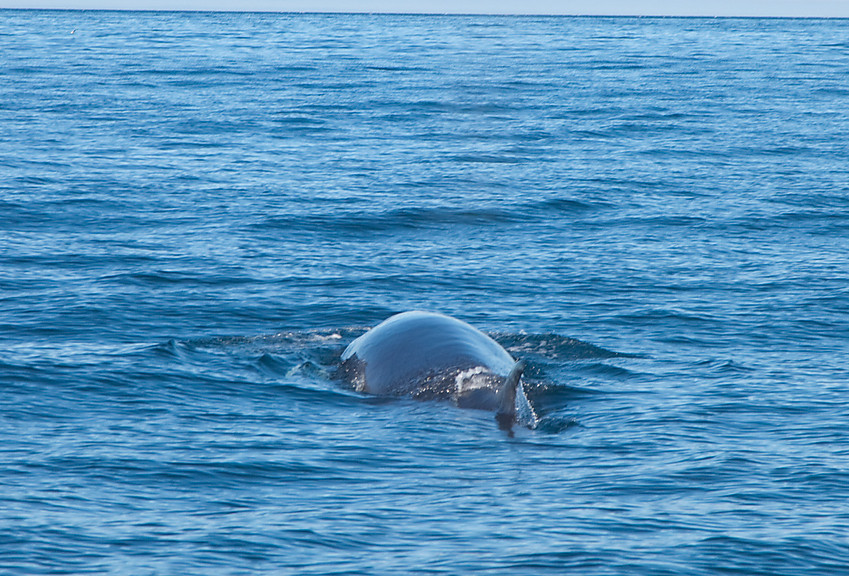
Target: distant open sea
(199,211)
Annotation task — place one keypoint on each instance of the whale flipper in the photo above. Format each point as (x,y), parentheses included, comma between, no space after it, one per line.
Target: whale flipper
(506,414)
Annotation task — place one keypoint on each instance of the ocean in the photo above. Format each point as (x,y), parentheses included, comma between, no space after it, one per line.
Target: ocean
(199,211)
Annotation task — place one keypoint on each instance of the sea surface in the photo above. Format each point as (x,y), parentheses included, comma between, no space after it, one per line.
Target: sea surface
(199,211)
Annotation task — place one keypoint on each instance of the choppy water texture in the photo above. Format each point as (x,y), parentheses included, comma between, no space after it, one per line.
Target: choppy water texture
(199,211)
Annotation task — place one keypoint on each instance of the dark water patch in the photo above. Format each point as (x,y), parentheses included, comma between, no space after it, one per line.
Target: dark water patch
(681,318)
(753,555)
(170,349)
(824,200)
(607,371)
(215,127)
(554,423)
(329,393)
(553,347)
(571,206)
(661,222)
(456,108)
(283,69)
(167,278)
(723,367)
(424,218)
(809,221)
(303,123)
(273,365)
(486,158)
(34,180)
(833,91)
(395,68)
(541,389)
(173,144)
(406,218)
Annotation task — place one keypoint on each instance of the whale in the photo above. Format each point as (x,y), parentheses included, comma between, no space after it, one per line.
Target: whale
(427,355)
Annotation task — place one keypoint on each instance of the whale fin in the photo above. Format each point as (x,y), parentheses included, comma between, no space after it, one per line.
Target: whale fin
(506,398)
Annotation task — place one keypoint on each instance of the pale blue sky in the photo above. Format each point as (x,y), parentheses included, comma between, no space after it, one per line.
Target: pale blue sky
(833,8)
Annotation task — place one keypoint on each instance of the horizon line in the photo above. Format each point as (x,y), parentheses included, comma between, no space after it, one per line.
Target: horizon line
(441,14)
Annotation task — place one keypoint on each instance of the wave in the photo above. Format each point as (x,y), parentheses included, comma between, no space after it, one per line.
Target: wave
(554,347)
(422,217)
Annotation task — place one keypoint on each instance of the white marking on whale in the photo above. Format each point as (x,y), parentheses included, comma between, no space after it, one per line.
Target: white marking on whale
(427,355)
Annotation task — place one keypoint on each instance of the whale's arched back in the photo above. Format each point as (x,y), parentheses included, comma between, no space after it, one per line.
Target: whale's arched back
(421,354)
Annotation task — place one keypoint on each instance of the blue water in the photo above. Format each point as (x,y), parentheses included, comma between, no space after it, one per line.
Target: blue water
(198,212)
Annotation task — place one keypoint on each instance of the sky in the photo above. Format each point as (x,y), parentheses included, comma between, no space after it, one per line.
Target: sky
(803,8)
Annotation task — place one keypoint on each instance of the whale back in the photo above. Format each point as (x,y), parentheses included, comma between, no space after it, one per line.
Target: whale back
(424,354)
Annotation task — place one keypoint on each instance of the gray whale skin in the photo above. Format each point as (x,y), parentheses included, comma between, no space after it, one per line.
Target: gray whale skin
(427,355)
